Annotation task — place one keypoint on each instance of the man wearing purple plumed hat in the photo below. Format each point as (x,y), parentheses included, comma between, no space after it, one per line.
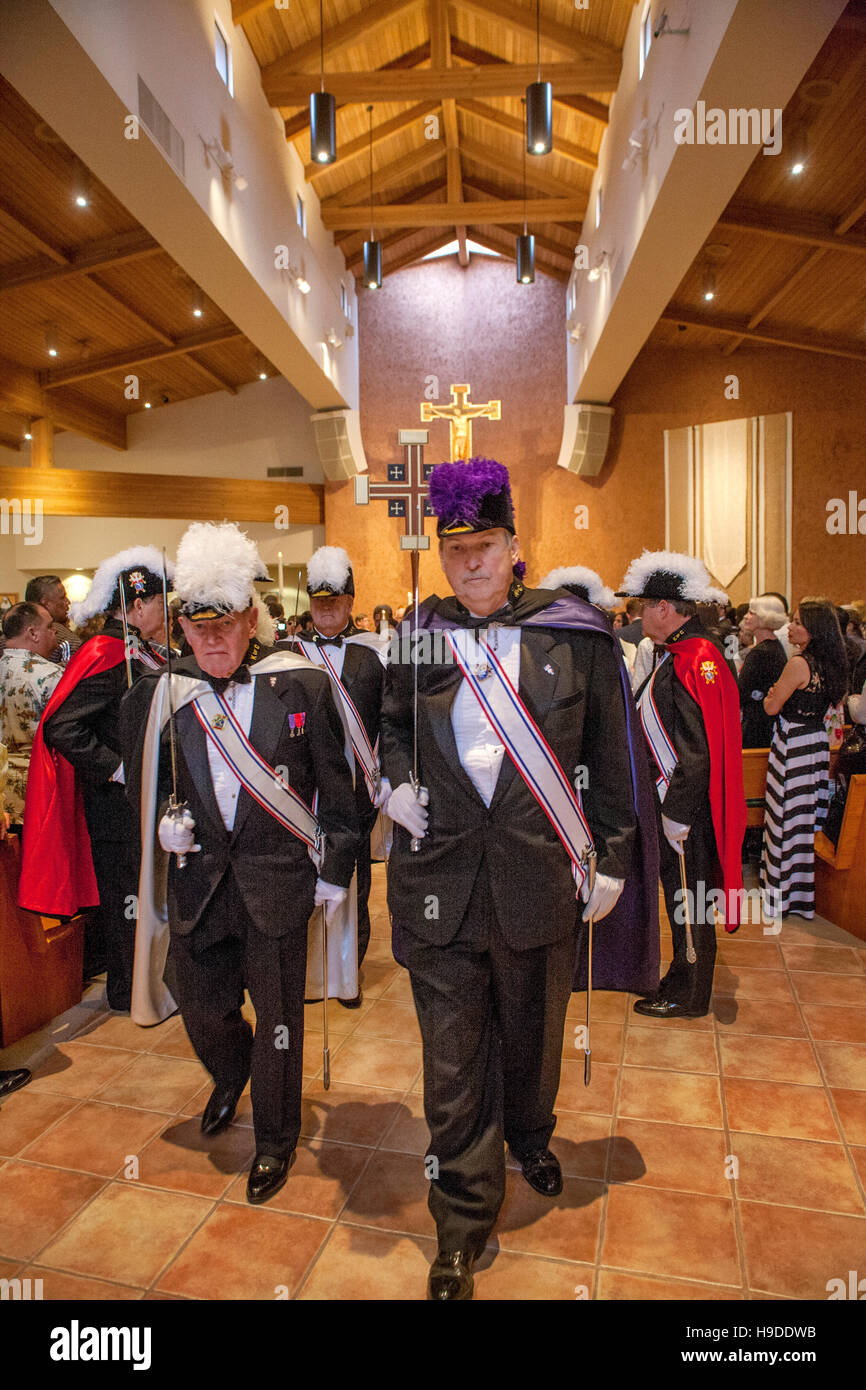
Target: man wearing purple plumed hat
(520,788)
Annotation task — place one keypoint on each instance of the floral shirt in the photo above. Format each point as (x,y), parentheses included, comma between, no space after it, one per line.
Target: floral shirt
(27,683)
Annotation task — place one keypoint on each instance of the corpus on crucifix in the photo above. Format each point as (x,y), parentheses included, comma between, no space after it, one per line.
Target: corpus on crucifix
(461,412)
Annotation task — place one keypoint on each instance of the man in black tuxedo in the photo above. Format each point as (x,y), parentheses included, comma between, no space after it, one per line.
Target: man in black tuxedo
(239,907)
(331,588)
(84,728)
(484,909)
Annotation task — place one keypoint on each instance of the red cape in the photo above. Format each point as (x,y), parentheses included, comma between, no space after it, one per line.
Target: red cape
(701,667)
(57,877)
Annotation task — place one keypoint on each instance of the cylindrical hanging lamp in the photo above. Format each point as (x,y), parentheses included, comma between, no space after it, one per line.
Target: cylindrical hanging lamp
(323,113)
(372,248)
(539,103)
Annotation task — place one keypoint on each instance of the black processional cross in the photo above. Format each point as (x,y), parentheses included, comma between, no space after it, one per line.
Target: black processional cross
(406,490)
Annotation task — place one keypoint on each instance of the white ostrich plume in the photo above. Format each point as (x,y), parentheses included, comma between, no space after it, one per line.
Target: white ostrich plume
(696,579)
(328,565)
(101,591)
(581,575)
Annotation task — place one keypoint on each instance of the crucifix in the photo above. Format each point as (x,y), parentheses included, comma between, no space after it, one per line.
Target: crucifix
(461,413)
(405,491)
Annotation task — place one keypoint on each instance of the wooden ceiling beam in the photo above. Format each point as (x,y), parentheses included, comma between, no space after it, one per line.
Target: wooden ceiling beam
(491,191)
(480,57)
(500,79)
(23,224)
(781,291)
(10,441)
(138,356)
(95,255)
(242,10)
(779,223)
(445,214)
(536,177)
(424,250)
(358,28)
(559,36)
(553,248)
(440,57)
(213,377)
(297,124)
(360,146)
(576,153)
(22,393)
(804,342)
(505,247)
(847,222)
(349,242)
(355,264)
(388,175)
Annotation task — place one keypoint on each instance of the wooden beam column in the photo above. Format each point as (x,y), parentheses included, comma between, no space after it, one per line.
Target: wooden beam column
(42,444)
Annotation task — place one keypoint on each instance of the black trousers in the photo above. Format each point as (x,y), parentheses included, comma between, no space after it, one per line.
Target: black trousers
(685,984)
(109,932)
(492,1022)
(209,970)
(364,871)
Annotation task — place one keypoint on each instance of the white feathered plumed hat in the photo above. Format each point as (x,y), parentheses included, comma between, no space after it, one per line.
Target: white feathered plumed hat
(141,569)
(329,572)
(667,574)
(215,574)
(582,582)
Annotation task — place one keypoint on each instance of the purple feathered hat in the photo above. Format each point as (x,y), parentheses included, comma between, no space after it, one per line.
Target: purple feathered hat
(473,496)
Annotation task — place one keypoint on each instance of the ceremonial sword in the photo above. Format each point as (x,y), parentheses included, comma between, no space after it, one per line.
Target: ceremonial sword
(126,651)
(589,860)
(175,808)
(326,1051)
(691,954)
(415,844)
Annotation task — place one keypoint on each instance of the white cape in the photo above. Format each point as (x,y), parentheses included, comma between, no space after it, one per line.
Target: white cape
(151,999)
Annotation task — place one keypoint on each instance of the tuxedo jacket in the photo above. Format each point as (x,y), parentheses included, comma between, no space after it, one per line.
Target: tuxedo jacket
(272,867)
(570,682)
(687,797)
(86,730)
(364,677)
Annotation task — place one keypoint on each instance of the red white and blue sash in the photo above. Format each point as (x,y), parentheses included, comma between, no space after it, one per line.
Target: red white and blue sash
(526,746)
(662,749)
(367,755)
(262,781)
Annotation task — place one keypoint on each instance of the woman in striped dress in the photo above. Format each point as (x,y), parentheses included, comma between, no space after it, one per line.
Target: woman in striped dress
(798,775)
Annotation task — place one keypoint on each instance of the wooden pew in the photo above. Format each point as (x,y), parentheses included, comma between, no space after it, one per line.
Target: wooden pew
(755,781)
(40,958)
(840,873)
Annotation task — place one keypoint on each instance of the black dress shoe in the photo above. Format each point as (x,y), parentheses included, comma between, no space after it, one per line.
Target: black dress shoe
(542,1171)
(267,1175)
(220,1109)
(352,1003)
(13,1081)
(451,1276)
(663,1008)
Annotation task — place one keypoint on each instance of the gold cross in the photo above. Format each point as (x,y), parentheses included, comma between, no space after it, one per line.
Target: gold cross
(461,413)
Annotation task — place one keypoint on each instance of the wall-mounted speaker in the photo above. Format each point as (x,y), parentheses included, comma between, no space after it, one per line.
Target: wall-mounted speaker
(585,436)
(338,440)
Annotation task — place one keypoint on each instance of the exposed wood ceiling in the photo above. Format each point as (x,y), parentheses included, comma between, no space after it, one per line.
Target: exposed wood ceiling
(788,252)
(465,65)
(116,302)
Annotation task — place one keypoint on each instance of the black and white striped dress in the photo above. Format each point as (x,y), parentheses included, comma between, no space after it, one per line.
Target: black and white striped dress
(798,794)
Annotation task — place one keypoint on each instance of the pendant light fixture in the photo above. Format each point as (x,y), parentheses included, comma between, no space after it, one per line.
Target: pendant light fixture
(372,249)
(525,242)
(539,103)
(323,113)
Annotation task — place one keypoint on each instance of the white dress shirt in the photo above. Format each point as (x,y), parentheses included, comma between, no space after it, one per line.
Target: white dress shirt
(336,655)
(478,746)
(226,785)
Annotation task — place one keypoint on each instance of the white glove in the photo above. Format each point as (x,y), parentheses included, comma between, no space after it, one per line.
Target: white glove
(407,809)
(329,894)
(176,834)
(675,834)
(605,894)
(382,794)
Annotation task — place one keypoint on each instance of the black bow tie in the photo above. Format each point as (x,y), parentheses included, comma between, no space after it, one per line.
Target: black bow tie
(219,683)
(322,641)
(503,616)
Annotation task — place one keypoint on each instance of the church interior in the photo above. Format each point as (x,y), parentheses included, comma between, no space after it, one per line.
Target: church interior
(658,324)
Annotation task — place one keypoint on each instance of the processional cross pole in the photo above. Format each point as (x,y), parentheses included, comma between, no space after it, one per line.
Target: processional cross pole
(407,492)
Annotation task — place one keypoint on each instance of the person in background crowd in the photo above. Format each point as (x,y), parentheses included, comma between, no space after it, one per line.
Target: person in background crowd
(27,681)
(363,622)
(855,647)
(14,1079)
(48,590)
(761,669)
(798,775)
(304,625)
(620,618)
(383,612)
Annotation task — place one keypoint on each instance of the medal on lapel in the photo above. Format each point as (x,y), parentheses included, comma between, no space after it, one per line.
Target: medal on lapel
(296,724)
(218,721)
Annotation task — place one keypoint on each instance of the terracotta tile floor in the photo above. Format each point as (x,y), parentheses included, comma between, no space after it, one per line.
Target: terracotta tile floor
(720,1158)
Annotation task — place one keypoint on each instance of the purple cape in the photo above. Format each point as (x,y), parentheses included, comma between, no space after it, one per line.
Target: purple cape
(625,944)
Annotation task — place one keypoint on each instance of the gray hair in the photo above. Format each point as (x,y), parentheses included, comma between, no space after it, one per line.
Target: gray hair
(769,612)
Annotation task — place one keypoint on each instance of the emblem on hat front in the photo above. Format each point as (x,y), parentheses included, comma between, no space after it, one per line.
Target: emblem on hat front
(137,581)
